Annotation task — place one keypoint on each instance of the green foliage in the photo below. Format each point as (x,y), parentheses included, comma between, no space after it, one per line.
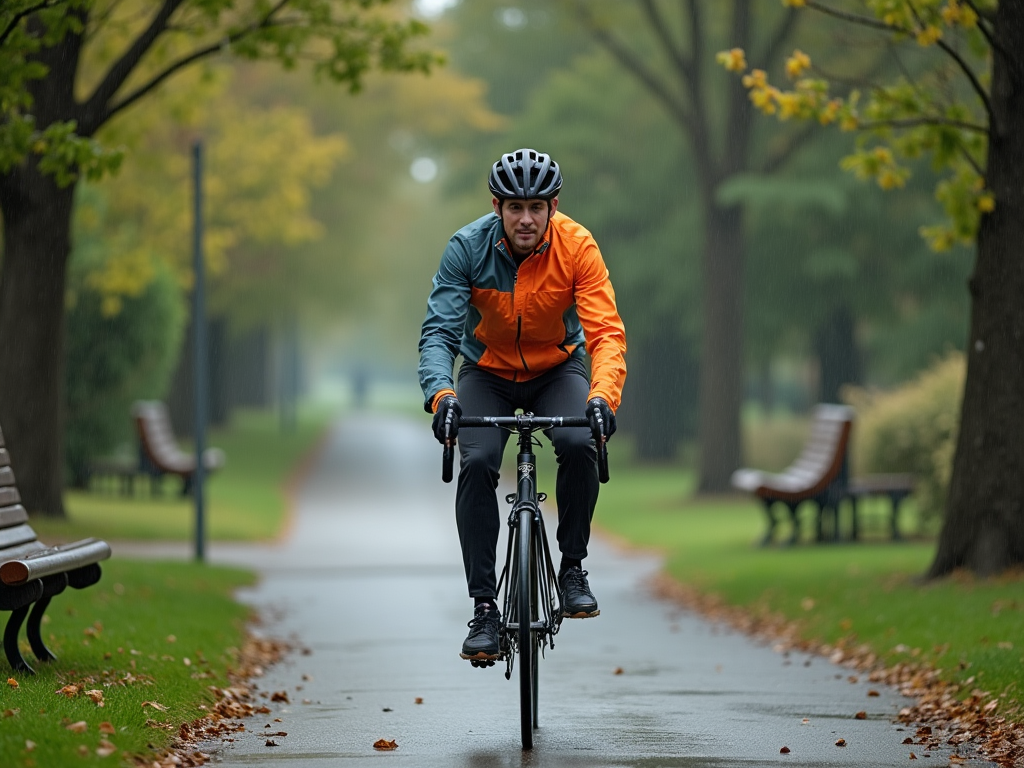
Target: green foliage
(342,40)
(913,429)
(116,352)
(937,107)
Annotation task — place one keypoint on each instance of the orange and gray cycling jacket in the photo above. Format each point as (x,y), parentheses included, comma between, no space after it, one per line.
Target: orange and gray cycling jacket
(519,323)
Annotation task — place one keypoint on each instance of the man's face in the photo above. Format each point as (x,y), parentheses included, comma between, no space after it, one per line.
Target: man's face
(524,222)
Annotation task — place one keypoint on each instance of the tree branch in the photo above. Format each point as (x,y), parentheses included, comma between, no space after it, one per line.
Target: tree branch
(16,19)
(635,65)
(95,111)
(913,122)
(109,111)
(964,67)
(784,30)
(657,22)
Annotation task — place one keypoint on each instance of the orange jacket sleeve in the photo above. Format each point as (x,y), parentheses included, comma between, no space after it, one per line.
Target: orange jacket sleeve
(602,326)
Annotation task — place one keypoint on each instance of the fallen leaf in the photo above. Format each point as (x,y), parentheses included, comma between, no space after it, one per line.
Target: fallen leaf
(80,727)
(862,715)
(68,690)
(171,639)
(957,759)
(418,700)
(279,733)
(388,709)
(913,756)
(187,662)
(619,670)
(908,740)
(307,677)
(840,742)
(107,728)
(29,745)
(385,745)
(83,750)
(271,743)
(155,705)
(806,720)
(784,751)
(12,682)
(873,692)
(105,749)
(280,696)
(11,712)
(96,696)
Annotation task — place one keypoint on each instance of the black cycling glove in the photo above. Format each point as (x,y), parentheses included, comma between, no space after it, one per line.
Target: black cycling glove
(447,415)
(602,418)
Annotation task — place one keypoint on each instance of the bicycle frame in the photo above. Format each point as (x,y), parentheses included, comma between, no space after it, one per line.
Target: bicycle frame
(532,605)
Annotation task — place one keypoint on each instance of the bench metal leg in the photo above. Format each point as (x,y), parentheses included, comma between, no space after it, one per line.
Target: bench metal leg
(13,653)
(769,534)
(34,631)
(794,537)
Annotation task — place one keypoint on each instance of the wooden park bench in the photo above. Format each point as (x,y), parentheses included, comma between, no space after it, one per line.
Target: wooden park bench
(820,474)
(159,453)
(31,573)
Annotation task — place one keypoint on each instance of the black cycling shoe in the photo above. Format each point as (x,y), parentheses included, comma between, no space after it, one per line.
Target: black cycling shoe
(482,642)
(578,602)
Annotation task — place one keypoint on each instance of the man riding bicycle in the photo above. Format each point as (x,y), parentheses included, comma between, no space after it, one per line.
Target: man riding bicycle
(523,295)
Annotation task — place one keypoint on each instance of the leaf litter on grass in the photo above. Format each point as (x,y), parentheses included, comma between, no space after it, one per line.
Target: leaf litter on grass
(963,722)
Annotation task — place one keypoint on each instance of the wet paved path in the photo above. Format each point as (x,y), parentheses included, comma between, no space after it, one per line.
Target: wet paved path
(370,581)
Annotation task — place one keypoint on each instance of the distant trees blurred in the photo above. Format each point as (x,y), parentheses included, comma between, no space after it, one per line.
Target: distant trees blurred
(70,67)
(832,272)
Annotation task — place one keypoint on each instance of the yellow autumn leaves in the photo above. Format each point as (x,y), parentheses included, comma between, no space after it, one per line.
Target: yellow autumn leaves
(905,119)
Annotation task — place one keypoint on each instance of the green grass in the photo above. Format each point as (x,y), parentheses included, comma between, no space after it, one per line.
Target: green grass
(870,592)
(246,500)
(128,637)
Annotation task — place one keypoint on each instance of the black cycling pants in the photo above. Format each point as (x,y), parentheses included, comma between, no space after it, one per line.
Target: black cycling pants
(562,391)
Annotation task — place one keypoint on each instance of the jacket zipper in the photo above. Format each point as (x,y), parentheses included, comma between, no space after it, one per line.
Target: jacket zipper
(519,323)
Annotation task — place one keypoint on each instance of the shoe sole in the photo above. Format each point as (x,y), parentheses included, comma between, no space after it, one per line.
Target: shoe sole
(582,614)
(481,656)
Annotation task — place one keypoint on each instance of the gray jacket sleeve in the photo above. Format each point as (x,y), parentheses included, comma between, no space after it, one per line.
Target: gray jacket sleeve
(441,334)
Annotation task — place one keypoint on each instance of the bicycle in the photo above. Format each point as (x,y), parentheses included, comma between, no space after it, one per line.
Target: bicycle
(528,577)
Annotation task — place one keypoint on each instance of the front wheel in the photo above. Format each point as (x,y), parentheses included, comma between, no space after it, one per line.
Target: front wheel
(527,651)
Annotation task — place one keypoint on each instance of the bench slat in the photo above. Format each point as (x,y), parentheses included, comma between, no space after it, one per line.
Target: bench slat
(5,458)
(55,560)
(9,496)
(13,515)
(6,476)
(22,550)
(18,534)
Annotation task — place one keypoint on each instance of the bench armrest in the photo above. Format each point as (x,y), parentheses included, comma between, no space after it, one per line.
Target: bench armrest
(56,560)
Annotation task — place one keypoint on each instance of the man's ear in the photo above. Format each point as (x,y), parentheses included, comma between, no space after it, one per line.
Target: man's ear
(497,205)
(554,206)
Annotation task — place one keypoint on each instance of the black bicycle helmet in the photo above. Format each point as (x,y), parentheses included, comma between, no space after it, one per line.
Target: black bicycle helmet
(525,174)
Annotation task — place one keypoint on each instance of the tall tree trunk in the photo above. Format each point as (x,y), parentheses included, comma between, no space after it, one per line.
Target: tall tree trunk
(984,524)
(662,406)
(835,346)
(721,360)
(37,242)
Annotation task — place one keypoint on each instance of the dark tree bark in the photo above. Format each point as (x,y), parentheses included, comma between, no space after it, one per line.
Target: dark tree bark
(835,346)
(721,146)
(662,407)
(37,241)
(984,525)
(249,368)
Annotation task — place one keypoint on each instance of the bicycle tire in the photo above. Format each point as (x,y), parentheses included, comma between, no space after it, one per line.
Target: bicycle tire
(527,653)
